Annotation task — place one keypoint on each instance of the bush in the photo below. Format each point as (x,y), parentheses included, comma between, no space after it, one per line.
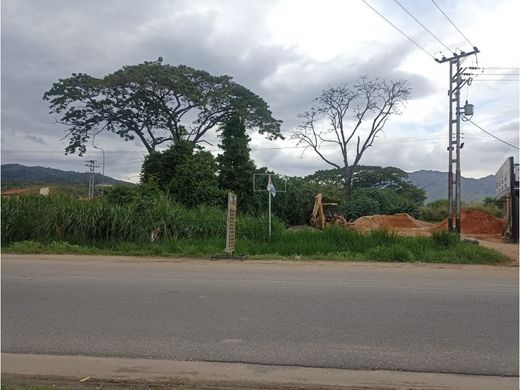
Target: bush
(394,252)
(445,239)
(435,211)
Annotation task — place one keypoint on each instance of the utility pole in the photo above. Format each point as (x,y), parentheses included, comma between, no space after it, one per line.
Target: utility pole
(454,145)
(103,170)
(91,164)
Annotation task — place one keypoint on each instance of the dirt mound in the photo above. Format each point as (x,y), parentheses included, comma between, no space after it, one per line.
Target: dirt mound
(476,222)
(400,221)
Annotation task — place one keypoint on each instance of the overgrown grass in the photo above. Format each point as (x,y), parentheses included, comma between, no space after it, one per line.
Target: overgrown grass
(332,244)
(59,218)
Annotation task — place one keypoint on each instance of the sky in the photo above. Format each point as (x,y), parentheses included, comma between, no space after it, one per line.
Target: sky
(286,51)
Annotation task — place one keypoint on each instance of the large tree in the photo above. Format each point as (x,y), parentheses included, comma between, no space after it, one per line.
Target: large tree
(155,102)
(350,118)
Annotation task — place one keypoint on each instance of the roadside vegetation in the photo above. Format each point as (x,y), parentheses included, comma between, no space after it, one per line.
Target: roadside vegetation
(437,210)
(182,194)
(115,225)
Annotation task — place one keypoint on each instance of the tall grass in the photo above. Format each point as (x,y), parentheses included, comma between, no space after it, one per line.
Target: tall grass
(64,225)
(63,218)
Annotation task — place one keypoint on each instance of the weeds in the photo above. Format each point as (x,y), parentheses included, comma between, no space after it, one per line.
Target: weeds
(65,225)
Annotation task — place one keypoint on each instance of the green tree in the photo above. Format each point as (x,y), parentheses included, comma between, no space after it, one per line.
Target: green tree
(235,165)
(376,190)
(187,173)
(195,181)
(156,103)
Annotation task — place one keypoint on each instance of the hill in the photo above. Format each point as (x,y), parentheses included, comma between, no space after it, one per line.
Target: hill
(21,176)
(435,184)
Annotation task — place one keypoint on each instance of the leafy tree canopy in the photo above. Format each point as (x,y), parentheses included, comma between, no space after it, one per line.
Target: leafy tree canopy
(376,190)
(187,173)
(155,102)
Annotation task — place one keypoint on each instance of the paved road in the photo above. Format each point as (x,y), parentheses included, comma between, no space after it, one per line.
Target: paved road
(357,316)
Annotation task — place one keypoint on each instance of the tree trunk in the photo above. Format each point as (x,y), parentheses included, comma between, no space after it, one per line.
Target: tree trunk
(347,181)
(348,188)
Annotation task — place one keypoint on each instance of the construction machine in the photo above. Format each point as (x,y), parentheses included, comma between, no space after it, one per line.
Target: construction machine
(324,214)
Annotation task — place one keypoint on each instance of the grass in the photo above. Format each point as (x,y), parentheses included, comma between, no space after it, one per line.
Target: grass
(332,244)
(63,225)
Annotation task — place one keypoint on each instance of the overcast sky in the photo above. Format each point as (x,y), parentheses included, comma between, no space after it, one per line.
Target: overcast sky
(286,51)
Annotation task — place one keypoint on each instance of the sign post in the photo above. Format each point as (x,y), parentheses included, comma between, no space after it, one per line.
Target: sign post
(231,223)
(230,231)
(271,190)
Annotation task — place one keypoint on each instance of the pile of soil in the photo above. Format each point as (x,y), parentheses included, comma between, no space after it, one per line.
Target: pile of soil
(395,222)
(476,222)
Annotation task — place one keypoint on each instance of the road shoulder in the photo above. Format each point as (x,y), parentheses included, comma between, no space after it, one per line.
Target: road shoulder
(51,370)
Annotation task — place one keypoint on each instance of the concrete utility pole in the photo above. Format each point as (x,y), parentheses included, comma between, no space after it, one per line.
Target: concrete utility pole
(103,169)
(454,145)
(91,164)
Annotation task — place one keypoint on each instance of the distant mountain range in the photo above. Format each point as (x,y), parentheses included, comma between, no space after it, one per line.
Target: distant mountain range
(433,182)
(17,175)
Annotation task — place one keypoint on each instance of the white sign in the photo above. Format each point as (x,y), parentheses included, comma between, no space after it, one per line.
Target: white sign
(503,179)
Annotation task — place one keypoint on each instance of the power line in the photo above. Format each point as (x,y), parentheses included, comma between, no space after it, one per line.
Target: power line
(500,74)
(453,24)
(493,80)
(494,136)
(496,67)
(397,28)
(422,25)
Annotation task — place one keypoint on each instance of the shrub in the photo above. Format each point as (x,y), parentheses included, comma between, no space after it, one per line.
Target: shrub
(445,239)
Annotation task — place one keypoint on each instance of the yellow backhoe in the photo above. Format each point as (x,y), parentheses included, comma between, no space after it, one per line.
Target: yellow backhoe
(324,214)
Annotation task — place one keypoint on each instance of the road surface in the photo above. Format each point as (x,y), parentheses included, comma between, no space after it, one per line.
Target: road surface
(407,317)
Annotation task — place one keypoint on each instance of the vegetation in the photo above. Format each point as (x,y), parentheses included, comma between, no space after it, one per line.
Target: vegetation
(236,168)
(121,222)
(186,173)
(130,218)
(438,210)
(156,103)
(348,110)
(377,190)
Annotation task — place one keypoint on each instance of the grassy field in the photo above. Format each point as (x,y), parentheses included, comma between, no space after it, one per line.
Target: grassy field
(332,244)
(68,226)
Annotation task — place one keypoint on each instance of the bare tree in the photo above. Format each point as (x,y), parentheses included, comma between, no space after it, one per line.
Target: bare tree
(351,119)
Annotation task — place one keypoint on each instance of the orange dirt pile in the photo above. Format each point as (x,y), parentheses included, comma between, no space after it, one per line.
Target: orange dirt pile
(476,222)
(395,222)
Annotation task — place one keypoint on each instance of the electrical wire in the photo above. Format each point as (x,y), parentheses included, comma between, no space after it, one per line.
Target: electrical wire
(501,74)
(423,26)
(497,67)
(494,136)
(493,80)
(453,24)
(397,28)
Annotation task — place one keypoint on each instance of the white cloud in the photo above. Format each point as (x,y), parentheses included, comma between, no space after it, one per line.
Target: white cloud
(287,51)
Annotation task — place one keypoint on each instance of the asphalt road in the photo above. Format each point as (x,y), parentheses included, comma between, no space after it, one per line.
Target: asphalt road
(357,316)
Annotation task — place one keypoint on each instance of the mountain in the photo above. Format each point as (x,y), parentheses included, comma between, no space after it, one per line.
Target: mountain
(16,175)
(435,184)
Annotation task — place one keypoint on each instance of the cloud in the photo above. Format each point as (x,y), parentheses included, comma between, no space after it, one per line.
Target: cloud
(286,51)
